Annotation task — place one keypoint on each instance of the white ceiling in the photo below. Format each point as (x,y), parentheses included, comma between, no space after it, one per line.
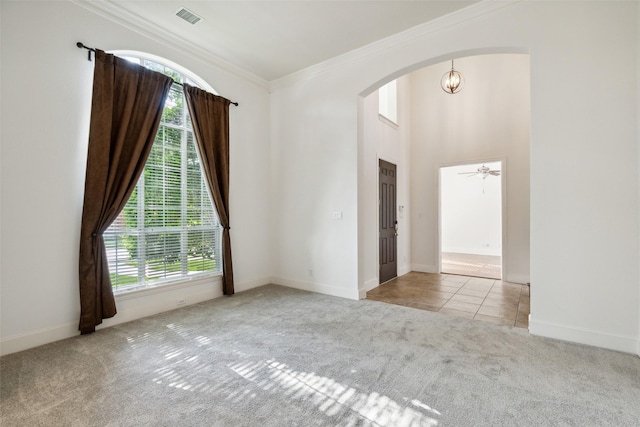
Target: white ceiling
(272,39)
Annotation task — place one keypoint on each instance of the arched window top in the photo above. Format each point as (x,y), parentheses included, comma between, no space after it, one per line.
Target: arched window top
(170,68)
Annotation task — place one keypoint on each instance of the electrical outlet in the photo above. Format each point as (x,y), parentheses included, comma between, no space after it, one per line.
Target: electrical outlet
(182,302)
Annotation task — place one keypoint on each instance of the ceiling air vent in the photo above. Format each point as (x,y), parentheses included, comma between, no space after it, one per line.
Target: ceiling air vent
(188,16)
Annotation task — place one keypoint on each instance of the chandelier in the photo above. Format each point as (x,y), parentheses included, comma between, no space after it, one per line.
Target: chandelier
(452,81)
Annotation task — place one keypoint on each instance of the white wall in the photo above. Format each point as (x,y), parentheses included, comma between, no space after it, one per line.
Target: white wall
(389,142)
(488,120)
(46,94)
(638,133)
(471,210)
(584,226)
(313,174)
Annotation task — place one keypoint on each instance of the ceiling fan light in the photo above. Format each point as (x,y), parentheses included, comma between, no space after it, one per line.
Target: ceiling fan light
(483,171)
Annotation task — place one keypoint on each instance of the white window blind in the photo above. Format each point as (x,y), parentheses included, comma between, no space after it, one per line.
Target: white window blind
(169,230)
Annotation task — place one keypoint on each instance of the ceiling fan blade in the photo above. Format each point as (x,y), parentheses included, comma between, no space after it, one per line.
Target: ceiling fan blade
(495,173)
(467,173)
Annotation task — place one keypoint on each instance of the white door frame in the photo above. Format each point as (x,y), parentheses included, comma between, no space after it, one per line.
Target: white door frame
(503,184)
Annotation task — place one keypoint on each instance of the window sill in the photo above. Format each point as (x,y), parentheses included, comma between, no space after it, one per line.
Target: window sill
(387,121)
(167,287)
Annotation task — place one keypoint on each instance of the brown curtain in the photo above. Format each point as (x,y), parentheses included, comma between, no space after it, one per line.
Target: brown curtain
(125,114)
(210,119)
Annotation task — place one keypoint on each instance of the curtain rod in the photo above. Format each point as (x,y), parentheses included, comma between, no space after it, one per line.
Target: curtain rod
(90,49)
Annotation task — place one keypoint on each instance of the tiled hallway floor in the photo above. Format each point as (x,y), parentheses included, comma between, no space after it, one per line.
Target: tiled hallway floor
(487,300)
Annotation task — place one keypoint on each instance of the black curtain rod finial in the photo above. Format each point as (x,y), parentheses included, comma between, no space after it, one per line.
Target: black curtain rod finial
(81,45)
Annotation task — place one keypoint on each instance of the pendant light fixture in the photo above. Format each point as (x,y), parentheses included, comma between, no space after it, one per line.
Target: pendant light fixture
(452,81)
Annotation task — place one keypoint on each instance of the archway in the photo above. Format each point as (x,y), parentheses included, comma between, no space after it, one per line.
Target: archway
(446,129)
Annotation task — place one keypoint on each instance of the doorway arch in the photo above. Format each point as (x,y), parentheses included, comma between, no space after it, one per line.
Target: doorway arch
(365,156)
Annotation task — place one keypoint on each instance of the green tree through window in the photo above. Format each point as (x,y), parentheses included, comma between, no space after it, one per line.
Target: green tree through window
(169,229)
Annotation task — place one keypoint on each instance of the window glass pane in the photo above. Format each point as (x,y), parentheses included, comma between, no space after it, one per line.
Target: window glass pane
(388,101)
(173,113)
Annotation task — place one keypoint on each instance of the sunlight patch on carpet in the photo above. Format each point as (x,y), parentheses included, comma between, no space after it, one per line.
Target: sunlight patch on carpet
(331,396)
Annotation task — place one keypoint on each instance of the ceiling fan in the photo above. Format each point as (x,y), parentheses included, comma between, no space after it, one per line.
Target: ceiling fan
(483,171)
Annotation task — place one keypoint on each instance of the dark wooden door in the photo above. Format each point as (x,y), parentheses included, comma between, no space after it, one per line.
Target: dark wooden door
(388,222)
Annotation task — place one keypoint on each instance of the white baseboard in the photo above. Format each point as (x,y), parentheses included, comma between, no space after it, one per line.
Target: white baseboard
(372,283)
(132,306)
(368,285)
(584,336)
(424,268)
(516,278)
(19,342)
(318,288)
(404,269)
(245,286)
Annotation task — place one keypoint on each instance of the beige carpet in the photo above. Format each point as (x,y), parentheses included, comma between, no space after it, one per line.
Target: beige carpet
(276,356)
(472,265)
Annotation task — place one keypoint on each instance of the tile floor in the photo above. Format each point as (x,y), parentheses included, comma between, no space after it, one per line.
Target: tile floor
(487,300)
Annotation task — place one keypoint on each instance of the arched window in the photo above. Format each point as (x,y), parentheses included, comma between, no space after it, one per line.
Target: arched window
(169,230)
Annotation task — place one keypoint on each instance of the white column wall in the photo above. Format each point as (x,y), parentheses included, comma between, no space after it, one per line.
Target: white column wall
(582,256)
(584,226)
(313,162)
(46,102)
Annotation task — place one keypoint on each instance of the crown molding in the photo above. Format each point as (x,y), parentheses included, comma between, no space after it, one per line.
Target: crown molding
(134,22)
(458,17)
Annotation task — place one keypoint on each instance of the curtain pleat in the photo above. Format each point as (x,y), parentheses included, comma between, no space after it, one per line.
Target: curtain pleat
(210,119)
(126,109)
